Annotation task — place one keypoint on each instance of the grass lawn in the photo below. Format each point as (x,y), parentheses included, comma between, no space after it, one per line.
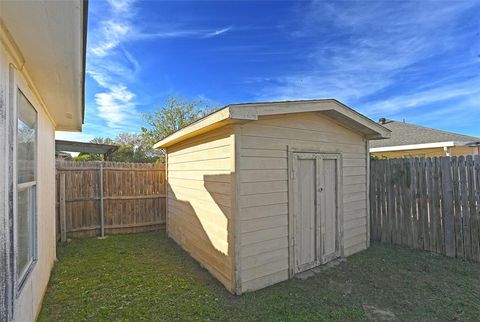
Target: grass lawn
(148,277)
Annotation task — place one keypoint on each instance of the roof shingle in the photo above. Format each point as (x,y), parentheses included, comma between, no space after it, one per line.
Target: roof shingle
(406,134)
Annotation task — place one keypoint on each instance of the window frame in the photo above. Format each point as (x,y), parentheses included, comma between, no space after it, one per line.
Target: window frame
(18,87)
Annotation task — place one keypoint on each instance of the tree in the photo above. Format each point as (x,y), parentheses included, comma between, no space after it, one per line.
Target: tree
(88,157)
(132,148)
(175,114)
(100,140)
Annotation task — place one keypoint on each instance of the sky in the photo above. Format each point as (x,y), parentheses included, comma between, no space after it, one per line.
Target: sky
(417,61)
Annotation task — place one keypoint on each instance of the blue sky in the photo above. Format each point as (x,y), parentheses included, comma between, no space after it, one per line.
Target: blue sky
(418,61)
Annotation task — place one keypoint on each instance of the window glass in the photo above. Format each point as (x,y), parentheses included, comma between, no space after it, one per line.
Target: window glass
(25,223)
(26,136)
(24,230)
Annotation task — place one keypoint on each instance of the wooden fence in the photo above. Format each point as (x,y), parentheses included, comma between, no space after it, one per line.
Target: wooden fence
(427,203)
(97,198)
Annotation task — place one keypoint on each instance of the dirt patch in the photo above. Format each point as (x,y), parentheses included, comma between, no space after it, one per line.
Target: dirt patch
(305,275)
(377,314)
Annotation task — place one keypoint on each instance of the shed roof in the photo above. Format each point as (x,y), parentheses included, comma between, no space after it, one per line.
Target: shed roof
(246,112)
(406,134)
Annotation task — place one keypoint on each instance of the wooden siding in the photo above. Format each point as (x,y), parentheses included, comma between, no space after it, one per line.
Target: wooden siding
(263,190)
(199,203)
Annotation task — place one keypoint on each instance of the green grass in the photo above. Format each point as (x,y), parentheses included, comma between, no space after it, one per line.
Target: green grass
(148,277)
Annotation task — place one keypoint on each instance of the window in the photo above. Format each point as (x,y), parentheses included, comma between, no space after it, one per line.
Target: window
(25,215)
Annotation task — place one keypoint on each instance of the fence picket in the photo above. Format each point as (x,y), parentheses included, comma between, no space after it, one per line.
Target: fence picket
(424,206)
(412,196)
(465,212)
(414,204)
(477,210)
(386,236)
(473,197)
(373,203)
(430,206)
(457,208)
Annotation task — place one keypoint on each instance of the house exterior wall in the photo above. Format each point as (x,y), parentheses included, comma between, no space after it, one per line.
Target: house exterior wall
(199,200)
(26,302)
(262,175)
(5,274)
(427,153)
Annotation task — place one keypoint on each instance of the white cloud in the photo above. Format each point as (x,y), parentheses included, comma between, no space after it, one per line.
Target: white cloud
(112,33)
(114,68)
(452,106)
(417,99)
(116,105)
(217,32)
(121,5)
(164,32)
(361,48)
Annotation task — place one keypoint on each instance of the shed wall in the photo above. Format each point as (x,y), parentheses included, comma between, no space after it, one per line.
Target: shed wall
(199,202)
(263,190)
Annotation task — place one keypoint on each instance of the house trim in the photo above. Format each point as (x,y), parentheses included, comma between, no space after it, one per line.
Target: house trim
(420,146)
(18,63)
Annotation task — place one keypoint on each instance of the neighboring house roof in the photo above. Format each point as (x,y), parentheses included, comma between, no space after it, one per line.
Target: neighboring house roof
(410,136)
(47,41)
(245,112)
(85,147)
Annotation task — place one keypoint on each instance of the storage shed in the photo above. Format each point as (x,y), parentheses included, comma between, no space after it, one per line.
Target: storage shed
(260,192)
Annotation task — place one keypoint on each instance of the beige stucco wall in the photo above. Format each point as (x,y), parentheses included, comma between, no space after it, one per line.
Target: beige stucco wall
(4,223)
(263,257)
(199,203)
(427,153)
(28,300)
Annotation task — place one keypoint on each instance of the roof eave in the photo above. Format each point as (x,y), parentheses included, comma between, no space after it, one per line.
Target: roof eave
(208,123)
(252,111)
(419,146)
(84,58)
(62,97)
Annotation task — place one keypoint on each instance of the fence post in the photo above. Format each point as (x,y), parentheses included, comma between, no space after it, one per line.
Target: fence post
(102,218)
(63,219)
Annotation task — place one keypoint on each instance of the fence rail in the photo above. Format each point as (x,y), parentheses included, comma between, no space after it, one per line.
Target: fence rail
(97,198)
(427,203)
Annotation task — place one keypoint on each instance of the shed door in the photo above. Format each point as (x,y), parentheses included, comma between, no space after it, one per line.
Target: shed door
(329,206)
(315,210)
